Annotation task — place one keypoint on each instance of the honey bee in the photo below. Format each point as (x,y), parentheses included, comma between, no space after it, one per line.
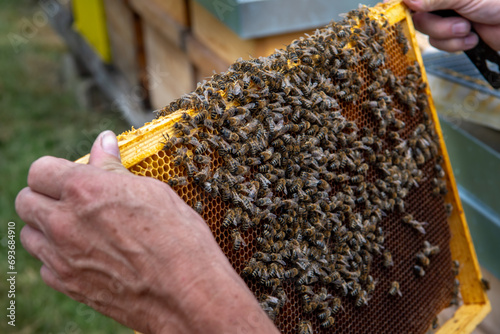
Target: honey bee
(372,87)
(395,289)
(388,262)
(328,322)
(242,170)
(291,273)
(246,222)
(351,97)
(435,323)
(376,61)
(237,240)
(305,289)
(177,181)
(456,267)
(201,176)
(342,178)
(419,226)
(198,207)
(232,164)
(190,169)
(202,159)
(342,74)
(276,159)
(422,259)
(200,117)
(305,327)
(455,298)
(183,128)
(272,283)
(168,143)
(370,284)
(362,299)
(327,312)
(207,186)
(400,205)
(281,186)
(180,158)
(401,39)
(419,271)
(267,154)
(233,91)
(264,183)
(485,284)
(430,249)
(294,58)
(201,148)
(246,202)
(250,268)
(230,218)
(253,161)
(440,187)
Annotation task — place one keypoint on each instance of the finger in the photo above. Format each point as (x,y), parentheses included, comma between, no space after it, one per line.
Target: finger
(33,241)
(489,34)
(34,208)
(105,153)
(46,175)
(38,246)
(51,279)
(484,11)
(430,5)
(441,27)
(455,44)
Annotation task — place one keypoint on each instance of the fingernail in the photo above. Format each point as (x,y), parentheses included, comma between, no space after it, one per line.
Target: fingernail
(471,40)
(460,28)
(109,143)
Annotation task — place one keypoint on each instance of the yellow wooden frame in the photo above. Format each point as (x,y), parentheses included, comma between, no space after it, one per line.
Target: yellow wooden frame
(135,145)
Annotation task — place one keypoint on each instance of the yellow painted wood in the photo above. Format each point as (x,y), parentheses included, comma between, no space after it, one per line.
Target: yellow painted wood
(465,319)
(461,245)
(90,21)
(137,144)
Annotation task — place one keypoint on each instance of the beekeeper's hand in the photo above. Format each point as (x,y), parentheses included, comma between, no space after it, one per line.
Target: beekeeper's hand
(454,33)
(129,247)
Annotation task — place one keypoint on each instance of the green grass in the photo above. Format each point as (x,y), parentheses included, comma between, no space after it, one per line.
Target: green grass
(39,116)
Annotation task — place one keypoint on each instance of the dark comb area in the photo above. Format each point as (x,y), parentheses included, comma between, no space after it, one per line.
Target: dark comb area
(318,170)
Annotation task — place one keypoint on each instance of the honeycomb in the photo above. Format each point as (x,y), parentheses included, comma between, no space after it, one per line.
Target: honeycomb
(384,311)
(393,296)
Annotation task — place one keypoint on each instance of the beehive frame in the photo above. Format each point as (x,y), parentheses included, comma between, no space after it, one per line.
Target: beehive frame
(137,145)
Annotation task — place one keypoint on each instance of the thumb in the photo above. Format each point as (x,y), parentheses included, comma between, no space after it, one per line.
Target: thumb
(105,153)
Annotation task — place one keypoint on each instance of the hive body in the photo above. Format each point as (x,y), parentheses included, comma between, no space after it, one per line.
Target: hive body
(320,172)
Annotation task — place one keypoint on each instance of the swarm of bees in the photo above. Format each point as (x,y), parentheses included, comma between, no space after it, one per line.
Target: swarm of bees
(314,182)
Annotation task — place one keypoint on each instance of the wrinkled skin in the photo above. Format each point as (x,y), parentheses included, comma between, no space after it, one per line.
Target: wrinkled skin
(129,247)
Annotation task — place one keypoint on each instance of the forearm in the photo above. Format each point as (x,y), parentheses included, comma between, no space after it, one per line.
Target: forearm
(216,301)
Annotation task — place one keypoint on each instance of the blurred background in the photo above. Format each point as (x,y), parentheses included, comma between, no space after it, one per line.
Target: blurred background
(70,69)
(43,111)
